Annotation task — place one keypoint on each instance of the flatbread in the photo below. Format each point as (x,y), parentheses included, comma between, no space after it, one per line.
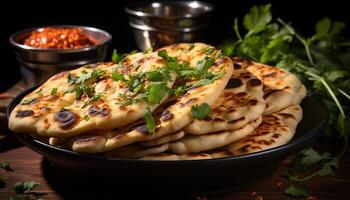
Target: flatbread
(275,130)
(177,114)
(164,139)
(61,114)
(199,143)
(136,151)
(189,156)
(280,86)
(240,103)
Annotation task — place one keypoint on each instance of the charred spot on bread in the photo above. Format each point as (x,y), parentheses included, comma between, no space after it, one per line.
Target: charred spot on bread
(67,119)
(24,113)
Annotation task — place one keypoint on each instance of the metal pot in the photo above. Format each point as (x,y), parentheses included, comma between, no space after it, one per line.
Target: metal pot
(156,24)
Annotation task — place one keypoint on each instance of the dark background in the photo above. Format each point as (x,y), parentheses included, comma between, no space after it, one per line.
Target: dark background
(110,16)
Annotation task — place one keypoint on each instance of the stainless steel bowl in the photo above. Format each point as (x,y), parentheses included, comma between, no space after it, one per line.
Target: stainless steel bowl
(38,64)
(162,23)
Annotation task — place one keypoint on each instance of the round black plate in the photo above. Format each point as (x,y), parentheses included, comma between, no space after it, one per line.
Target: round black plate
(193,177)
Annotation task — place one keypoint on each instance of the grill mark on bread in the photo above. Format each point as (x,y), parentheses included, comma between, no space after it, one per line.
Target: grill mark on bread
(166,115)
(253,102)
(89,139)
(286,115)
(234,83)
(95,110)
(142,129)
(188,102)
(254,82)
(24,113)
(237,66)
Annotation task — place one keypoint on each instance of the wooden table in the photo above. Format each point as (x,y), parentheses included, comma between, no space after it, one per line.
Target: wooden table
(30,166)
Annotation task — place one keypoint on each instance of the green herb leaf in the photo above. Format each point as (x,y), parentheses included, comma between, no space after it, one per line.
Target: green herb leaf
(116,57)
(297,190)
(311,157)
(86,118)
(71,78)
(204,65)
(25,187)
(83,83)
(6,166)
(257,19)
(328,168)
(156,92)
(323,26)
(209,50)
(151,125)
(28,101)
(170,62)
(95,98)
(54,91)
(201,112)
(118,77)
(326,29)
(162,74)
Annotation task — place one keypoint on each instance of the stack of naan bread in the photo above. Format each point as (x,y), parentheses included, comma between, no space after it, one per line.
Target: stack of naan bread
(254,107)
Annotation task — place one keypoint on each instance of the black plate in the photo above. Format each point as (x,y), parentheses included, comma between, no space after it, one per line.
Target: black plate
(192,177)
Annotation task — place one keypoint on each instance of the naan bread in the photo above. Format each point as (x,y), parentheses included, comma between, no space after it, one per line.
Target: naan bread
(60,114)
(175,114)
(280,86)
(199,143)
(189,156)
(164,139)
(275,130)
(136,151)
(240,103)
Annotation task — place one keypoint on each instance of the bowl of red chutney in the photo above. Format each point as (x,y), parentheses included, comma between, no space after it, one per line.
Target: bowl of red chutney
(45,51)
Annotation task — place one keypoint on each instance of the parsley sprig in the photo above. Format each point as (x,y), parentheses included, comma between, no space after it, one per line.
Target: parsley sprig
(321,62)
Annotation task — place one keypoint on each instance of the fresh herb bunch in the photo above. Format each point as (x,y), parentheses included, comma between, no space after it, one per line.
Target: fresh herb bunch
(321,61)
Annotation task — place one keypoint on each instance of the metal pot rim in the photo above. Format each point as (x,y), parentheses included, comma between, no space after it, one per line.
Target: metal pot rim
(149,28)
(128,9)
(15,44)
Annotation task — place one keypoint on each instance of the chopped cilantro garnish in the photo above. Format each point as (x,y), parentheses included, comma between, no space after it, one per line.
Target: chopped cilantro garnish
(116,57)
(54,91)
(156,92)
(25,187)
(84,82)
(6,166)
(162,74)
(95,98)
(136,66)
(201,112)
(39,91)
(117,77)
(209,50)
(86,117)
(204,65)
(28,101)
(151,125)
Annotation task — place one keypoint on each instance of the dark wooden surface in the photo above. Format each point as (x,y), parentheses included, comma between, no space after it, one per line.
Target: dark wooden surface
(30,166)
